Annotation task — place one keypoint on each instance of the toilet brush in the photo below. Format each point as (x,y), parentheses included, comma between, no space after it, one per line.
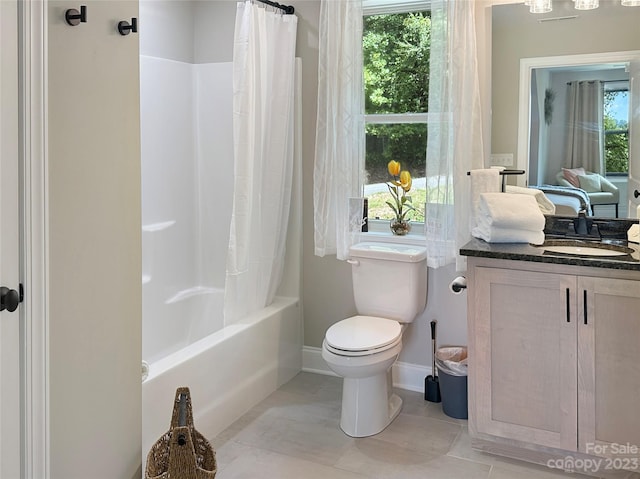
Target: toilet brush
(431,383)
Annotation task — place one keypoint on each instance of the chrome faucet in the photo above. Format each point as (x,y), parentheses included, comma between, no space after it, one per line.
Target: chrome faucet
(584,226)
(580,224)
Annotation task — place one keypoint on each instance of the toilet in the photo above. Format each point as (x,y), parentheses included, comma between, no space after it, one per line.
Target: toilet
(390,291)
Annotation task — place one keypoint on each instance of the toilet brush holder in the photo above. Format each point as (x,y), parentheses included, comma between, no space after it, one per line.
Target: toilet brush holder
(431,382)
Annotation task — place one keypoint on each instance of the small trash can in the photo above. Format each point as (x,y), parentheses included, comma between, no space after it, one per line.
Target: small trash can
(451,363)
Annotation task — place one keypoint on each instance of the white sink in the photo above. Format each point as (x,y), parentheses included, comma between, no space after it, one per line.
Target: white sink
(579,248)
(585,251)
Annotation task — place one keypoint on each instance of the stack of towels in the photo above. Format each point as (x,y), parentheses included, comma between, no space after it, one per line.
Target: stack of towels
(544,203)
(509,218)
(486,180)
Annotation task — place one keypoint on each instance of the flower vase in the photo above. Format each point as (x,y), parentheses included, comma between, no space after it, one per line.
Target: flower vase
(400,227)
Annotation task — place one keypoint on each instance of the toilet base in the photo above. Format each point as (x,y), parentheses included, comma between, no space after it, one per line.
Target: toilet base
(368,405)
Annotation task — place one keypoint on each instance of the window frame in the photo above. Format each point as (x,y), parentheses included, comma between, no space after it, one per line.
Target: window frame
(380,227)
(617,174)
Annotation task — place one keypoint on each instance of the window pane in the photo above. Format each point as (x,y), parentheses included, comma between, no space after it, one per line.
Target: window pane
(616,151)
(616,125)
(616,109)
(396,62)
(405,143)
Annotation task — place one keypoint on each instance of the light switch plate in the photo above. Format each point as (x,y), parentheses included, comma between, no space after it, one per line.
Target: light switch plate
(501,159)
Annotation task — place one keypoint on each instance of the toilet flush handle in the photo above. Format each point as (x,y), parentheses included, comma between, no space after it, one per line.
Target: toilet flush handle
(353,262)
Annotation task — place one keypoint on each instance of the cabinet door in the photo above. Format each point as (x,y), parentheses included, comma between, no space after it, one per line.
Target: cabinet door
(609,366)
(525,356)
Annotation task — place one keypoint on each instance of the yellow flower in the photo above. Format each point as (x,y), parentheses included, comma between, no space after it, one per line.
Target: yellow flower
(405,180)
(398,188)
(394,168)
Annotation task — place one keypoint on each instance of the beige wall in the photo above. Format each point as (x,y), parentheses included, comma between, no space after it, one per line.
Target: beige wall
(518,34)
(94,244)
(214,30)
(167,29)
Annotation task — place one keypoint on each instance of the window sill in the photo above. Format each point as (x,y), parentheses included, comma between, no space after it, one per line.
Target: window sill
(379,232)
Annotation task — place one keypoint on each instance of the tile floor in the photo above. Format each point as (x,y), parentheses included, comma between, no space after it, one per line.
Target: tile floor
(295,434)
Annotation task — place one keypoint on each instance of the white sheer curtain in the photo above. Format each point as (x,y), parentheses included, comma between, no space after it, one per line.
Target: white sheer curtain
(263,134)
(340,137)
(454,143)
(585,135)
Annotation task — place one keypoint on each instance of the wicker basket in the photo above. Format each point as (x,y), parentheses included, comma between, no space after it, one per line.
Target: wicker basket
(182,452)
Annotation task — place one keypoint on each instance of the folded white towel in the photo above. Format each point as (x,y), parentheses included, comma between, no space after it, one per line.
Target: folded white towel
(545,204)
(483,181)
(509,210)
(493,234)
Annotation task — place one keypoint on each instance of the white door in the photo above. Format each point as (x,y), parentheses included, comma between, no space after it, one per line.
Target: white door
(9,248)
(634,146)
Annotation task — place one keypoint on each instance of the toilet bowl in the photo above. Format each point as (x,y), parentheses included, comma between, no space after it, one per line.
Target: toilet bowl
(363,348)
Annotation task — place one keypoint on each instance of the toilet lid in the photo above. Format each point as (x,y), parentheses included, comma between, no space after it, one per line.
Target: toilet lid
(362,333)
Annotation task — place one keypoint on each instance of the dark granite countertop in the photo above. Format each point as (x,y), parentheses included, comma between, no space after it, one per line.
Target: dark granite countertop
(527,252)
(582,231)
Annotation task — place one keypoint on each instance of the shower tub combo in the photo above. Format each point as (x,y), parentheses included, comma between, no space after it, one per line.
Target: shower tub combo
(227,372)
(186,150)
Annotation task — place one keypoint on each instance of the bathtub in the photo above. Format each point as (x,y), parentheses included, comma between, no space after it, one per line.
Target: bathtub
(227,372)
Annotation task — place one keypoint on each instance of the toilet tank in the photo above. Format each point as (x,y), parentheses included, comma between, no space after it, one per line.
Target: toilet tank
(389,280)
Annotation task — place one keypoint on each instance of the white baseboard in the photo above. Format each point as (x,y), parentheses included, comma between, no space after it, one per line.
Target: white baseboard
(409,376)
(312,361)
(405,375)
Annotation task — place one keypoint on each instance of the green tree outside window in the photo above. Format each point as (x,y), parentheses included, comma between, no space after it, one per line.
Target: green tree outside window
(396,52)
(616,137)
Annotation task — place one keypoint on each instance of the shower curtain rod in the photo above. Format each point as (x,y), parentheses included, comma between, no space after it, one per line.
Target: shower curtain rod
(288,9)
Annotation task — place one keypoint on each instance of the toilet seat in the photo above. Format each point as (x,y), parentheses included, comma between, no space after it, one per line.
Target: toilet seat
(368,352)
(362,335)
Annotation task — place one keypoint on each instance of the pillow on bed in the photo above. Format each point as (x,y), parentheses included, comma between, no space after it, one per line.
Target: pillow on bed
(571,175)
(590,183)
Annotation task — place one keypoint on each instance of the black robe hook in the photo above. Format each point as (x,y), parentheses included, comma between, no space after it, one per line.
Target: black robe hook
(75,17)
(124,27)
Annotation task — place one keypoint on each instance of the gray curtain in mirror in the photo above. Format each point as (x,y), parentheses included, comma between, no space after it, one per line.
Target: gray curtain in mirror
(585,129)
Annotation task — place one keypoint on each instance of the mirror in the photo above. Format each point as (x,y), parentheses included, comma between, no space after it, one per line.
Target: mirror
(540,54)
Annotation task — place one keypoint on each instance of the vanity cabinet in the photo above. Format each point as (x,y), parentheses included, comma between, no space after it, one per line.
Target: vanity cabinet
(608,366)
(554,356)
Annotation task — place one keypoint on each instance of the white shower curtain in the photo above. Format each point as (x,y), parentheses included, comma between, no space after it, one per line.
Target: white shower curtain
(585,135)
(263,134)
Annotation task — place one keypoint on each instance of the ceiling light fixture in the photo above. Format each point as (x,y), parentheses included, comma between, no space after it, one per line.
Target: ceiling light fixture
(586,4)
(540,6)
(545,6)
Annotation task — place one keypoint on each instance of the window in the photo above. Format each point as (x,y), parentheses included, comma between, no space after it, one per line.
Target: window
(616,127)
(396,78)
